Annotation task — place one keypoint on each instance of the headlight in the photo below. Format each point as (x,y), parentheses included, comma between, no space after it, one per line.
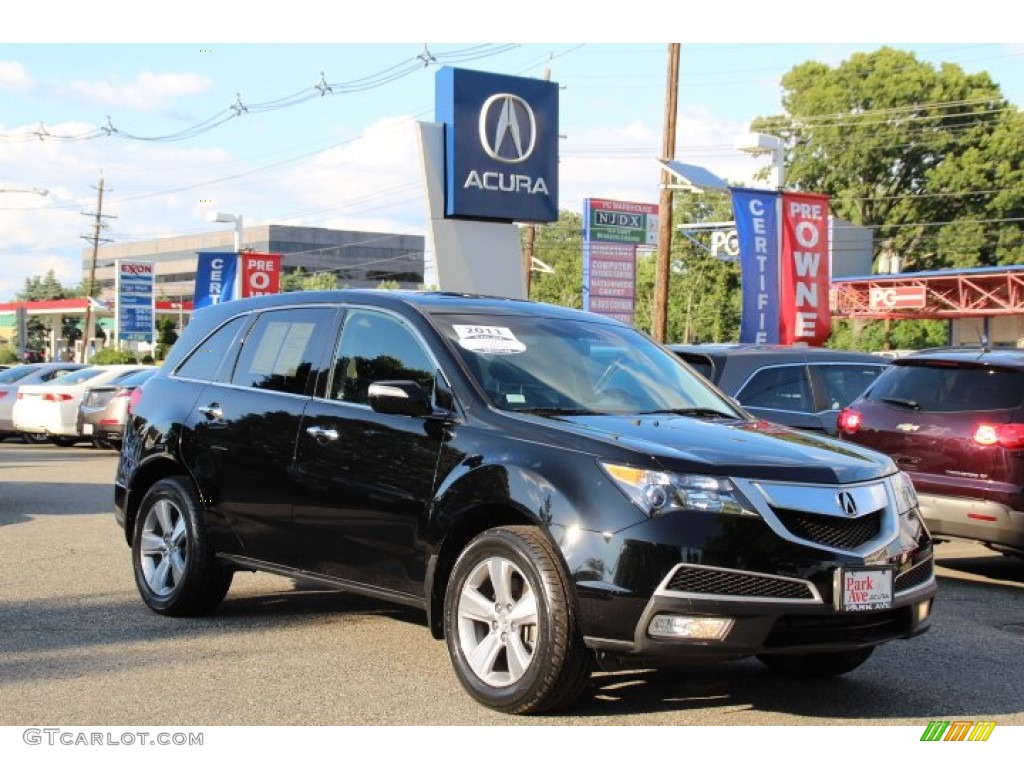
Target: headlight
(656,492)
(903,490)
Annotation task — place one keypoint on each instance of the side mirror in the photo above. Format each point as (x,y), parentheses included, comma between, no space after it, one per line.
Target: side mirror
(401,398)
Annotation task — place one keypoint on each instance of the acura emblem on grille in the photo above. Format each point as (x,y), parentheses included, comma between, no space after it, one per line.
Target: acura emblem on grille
(846,503)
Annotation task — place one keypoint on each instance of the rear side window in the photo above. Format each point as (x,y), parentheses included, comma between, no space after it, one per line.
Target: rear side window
(843,383)
(949,388)
(206,359)
(781,388)
(282,349)
(700,364)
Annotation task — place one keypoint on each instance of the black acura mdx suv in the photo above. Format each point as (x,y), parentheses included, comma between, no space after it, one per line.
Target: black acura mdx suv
(551,487)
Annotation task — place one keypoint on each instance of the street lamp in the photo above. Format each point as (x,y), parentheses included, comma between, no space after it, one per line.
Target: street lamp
(764,144)
(229,218)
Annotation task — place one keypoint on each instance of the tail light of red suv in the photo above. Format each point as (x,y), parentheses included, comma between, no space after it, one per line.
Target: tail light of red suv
(1005,435)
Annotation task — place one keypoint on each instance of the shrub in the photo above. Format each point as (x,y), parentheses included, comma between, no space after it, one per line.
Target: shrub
(111,356)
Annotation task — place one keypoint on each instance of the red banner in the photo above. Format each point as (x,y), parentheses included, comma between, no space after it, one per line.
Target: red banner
(261,274)
(804,270)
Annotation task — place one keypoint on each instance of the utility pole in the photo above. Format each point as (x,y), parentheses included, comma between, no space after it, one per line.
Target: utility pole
(90,290)
(531,228)
(668,151)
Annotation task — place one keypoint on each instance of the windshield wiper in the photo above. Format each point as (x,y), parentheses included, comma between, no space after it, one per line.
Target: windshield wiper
(555,411)
(693,412)
(912,404)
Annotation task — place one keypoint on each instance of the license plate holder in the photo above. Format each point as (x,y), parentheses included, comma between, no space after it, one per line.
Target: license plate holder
(863,589)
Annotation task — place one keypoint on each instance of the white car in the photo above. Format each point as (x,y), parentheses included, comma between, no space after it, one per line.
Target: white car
(22,375)
(52,408)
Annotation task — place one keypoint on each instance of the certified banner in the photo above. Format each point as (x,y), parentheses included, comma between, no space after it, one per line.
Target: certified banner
(757,233)
(215,278)
(804,270)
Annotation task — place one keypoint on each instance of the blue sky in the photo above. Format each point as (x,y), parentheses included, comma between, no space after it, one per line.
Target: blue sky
(349,159)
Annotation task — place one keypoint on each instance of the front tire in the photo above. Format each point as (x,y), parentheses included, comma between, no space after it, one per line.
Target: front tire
(174,565)
(510,624)
(811,665)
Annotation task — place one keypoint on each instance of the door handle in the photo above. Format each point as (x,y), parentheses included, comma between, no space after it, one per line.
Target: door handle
(322,435)
(211,411)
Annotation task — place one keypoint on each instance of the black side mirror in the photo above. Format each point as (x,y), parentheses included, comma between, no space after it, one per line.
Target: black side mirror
(402,398)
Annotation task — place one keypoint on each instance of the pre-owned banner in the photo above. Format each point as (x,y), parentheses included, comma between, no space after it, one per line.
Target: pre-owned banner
(215,278)
(804,270)
(261,274)
(757,232)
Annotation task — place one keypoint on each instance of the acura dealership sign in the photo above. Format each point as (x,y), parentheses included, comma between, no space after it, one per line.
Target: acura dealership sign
(501,145)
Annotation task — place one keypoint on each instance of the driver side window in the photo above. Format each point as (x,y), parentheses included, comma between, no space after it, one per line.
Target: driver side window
(375,346)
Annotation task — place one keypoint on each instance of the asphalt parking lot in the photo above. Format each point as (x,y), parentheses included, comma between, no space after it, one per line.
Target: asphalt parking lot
(78,647)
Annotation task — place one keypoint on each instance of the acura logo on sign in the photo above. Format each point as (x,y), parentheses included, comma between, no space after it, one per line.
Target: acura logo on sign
(514,134)
(846,503)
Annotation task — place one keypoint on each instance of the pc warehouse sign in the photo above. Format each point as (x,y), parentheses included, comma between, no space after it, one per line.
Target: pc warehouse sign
(612,231)
(134,284)
(501,145)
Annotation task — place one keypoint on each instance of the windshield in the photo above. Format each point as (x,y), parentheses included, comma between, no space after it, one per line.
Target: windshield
(76,377)
(15,373)
(541,364)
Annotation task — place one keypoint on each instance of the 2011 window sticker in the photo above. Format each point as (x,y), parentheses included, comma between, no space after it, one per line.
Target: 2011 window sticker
(489,339)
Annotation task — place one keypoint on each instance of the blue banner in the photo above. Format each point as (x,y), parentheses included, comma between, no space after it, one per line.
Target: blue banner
(757,230)
(215,278)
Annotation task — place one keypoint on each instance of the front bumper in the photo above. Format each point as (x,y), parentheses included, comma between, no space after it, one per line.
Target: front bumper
(780,596)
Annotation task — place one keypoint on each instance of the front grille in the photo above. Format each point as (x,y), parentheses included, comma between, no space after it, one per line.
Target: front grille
(836,532)
(710,581)
(858,627)
(915,577)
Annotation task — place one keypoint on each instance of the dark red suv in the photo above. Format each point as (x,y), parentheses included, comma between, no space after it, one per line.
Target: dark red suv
(954,421)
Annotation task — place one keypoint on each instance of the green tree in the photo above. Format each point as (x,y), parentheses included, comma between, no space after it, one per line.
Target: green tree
(300,280)
(929,157)
(559,246)
(44,288)
(166,335)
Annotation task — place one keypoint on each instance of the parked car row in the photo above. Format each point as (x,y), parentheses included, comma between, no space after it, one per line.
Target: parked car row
(42,401)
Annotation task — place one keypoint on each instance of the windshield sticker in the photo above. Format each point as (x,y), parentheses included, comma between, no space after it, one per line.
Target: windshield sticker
(489,340)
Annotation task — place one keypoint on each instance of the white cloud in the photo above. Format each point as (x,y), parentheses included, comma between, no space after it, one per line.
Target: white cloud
(147,92)
(14,78)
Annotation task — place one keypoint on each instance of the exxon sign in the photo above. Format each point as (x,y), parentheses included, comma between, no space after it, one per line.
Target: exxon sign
(501,145)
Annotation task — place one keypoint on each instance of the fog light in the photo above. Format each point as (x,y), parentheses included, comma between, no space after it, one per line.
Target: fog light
(689,627)
(924,610)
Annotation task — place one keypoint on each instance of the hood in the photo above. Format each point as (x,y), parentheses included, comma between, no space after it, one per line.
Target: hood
(757,450)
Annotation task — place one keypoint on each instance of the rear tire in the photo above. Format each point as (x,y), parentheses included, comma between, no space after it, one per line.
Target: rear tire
(510,624)
(816,665)
(175,568)
(63,442)
(33,438)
